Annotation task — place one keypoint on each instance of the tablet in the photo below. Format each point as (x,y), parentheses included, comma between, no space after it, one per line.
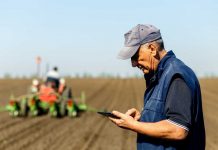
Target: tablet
(108,114)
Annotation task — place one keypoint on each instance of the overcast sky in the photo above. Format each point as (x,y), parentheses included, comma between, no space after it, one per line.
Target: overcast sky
(85,36)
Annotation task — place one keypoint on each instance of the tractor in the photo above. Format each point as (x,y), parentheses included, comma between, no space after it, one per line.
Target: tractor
(47,100)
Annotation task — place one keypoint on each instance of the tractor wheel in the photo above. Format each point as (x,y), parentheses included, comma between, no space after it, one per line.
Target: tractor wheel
(67,94)
(62,108)
(23,108)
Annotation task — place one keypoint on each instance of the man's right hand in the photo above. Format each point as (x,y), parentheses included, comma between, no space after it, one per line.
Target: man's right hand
(134,113)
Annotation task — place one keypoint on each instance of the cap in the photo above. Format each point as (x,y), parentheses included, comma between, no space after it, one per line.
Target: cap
(138,35)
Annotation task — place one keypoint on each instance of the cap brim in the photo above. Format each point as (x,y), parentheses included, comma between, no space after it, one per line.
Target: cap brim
(127,52)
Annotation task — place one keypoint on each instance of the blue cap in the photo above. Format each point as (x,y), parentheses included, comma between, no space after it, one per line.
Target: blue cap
(137,36)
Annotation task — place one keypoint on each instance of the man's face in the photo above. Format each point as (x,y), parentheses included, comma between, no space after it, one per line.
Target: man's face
(144,60)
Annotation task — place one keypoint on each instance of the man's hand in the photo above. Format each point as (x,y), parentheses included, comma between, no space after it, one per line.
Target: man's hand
(162,129)
(126,121)
(134,113)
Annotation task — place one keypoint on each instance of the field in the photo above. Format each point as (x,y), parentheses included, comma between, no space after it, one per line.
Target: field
(90,131)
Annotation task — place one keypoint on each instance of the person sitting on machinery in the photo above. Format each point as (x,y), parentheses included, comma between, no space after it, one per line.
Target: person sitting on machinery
(53,77)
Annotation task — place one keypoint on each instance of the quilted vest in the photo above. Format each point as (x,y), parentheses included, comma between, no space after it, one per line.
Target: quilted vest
(154,106)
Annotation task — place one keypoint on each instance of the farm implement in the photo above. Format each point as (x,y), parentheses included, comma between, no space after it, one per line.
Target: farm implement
(46,101)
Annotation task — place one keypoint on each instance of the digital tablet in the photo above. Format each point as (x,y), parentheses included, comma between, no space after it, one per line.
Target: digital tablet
(108,114)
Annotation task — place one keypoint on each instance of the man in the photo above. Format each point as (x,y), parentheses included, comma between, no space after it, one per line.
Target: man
(53,77)
(172,117)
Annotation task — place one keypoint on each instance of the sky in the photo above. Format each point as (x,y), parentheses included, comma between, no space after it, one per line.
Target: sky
(85,36)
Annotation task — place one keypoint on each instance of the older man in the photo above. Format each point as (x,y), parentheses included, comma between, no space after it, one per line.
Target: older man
(172,117)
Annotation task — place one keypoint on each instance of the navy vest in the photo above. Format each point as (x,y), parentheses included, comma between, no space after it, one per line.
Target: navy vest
(154,106)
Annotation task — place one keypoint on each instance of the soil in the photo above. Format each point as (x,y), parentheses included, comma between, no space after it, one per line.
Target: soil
(90,131)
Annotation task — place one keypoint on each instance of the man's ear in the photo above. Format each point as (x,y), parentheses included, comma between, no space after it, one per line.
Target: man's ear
(154,50)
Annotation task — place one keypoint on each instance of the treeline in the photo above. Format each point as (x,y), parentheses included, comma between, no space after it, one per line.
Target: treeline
(77,75)
(89,75)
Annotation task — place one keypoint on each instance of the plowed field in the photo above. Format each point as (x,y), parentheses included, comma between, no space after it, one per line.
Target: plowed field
(90,131)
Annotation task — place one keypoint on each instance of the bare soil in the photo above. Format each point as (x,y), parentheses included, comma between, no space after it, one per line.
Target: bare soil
(90,131)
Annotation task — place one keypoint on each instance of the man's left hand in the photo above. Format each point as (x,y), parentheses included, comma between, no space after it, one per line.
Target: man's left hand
(125,121)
